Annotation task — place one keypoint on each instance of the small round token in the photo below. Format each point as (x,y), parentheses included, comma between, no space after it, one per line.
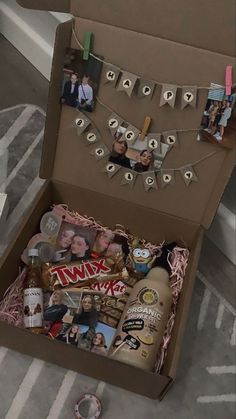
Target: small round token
(146,90)
(129,135)
(79,122)
(126,83)
(188,175)
(110,75)
(88,403)
(188,97)
(129,176)
(167,178)
(113,123)
(91,137)
(110,167)
(99,152)
(149,180)
(171,139)
(153,143)
(168,95)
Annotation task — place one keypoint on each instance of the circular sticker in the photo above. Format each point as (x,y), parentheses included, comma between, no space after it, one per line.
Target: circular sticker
(148,296)
(129,176)
(110,167)
(149,180)
(153,143)
(113,123)
(188,175)
(168,95)
(79,122)
(167,178)
(188,97)
(110,75)
(50,224)
(126,83)
(129,135)
(88,407)
(99,152)
(91,137)
(170,139)
(146,90)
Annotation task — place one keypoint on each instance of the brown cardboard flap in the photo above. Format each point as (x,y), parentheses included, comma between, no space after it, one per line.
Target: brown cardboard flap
(155,59)
(205,24)
(52,5)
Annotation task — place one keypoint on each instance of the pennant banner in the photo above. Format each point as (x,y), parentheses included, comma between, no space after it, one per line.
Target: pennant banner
(188,175)
(129,178)
(127,83)
(111,75)
(149,180)
(167,177)
(91,136)
(170,138)
(114,122)
(168,95)
(130,135)
(81,123)
(189,96)
(146,89)
(154,142)
(100,151)
(111,169)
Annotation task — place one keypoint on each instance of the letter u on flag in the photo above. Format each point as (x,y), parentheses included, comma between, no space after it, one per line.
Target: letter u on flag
(127,82)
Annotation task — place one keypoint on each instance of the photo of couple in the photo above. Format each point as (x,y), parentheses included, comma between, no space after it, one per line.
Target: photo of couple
(136,157)
(81,80)
(78,243)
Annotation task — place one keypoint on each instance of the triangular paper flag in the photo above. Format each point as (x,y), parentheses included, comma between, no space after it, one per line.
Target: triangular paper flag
(91,136)
(127,82)
(154,142)
(167,177)
(128,178)
(189,96)
(81,123)
(149,180)
(168,95)
(111,75)
(130,135)
(170,138)
(100,151)
(188,175)
(111,169)
(114,122)
(145,89)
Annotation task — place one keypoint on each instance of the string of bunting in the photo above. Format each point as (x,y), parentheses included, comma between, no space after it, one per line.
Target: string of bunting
(91,136)
(128,82)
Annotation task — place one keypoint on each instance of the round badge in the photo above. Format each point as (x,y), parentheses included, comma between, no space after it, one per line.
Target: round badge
(110,168)
(110,75)
(171,139)
(88,407)
(129,135)
(79,122)
(168,95)
(113,123)
(188,175)
(126,83)
(167,178)
(149,180)
(188,97)
(99,152)
(153,143)
(129,176)
(146,90)
(50,224)
(148,297)
(91,137)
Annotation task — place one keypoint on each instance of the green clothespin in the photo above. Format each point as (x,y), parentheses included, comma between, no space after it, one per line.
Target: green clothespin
(87,45)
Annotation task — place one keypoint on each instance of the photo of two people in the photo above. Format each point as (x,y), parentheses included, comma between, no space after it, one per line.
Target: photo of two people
(81,80)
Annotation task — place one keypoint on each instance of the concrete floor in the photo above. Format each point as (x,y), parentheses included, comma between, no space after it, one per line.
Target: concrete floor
(205,385)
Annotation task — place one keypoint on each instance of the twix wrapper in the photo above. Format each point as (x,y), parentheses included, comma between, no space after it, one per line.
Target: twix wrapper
(85,273)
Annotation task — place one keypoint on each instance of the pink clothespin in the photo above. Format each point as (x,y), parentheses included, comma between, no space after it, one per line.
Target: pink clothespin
(228,80)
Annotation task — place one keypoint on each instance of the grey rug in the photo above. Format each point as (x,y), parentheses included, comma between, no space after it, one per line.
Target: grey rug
(33,389)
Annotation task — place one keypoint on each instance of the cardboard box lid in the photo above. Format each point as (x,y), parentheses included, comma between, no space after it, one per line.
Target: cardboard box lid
(66,158)
(205,24)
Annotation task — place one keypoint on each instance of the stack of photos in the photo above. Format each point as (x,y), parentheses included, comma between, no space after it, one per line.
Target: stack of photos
(219,111)
(81,80)
(71,316)
(78,243)
(136,156)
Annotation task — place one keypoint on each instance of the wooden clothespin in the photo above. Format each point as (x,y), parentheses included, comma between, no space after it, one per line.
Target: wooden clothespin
(146,124)
(228,80)
(87,45)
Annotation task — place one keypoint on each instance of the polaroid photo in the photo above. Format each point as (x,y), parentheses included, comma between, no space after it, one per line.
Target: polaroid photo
(81,80)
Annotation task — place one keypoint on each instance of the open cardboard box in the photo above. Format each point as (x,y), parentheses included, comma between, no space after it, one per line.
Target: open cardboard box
(74,177)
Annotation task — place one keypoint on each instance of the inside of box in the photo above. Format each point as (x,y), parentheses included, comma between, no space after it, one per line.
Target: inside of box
(109,211)
(74,163)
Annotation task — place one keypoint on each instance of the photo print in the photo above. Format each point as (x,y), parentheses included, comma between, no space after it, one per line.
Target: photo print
(74,243)
(136,153)
(81,80)
(219,112)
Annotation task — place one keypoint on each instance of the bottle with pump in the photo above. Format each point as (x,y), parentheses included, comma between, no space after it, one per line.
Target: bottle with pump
(33,293)
(143,322)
